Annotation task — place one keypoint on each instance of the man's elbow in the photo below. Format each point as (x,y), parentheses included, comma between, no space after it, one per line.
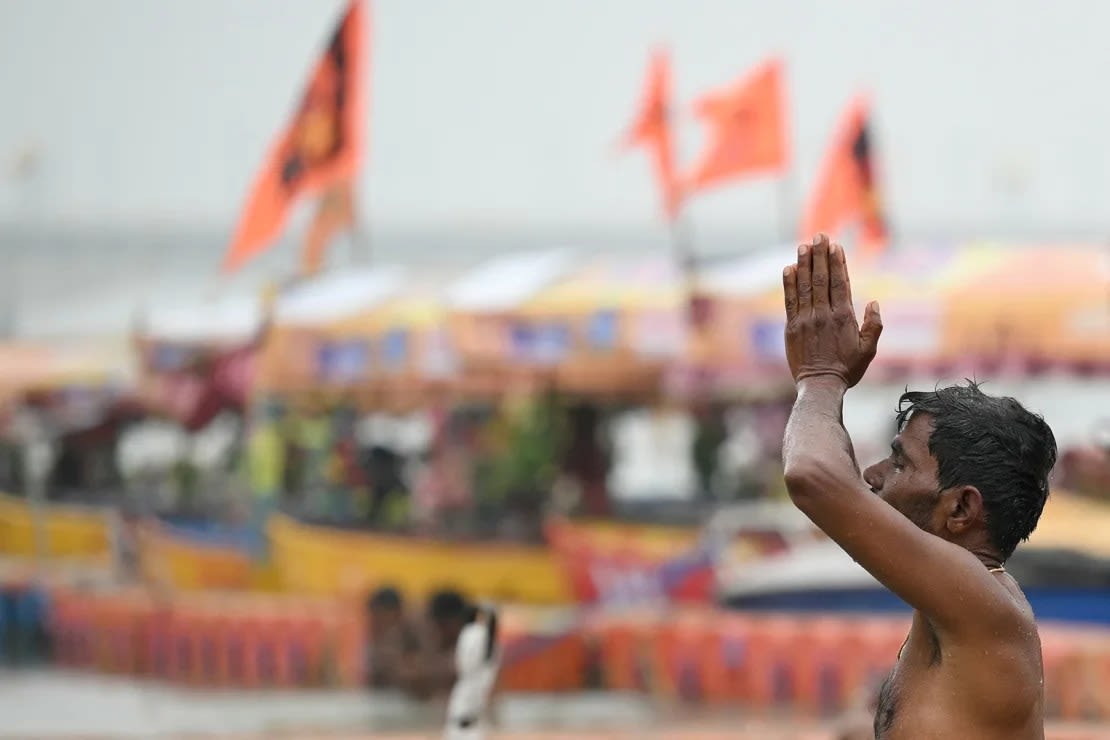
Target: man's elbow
(800,478)
(805,479)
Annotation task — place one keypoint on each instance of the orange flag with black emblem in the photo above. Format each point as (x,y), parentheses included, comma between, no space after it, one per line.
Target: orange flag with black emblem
(746,124)
(319,150)
(651,129)
(847,192)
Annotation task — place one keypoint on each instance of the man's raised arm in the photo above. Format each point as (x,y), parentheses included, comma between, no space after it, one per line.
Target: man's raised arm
(828,353)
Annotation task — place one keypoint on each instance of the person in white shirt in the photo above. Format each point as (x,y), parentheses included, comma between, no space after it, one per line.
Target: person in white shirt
(477,662)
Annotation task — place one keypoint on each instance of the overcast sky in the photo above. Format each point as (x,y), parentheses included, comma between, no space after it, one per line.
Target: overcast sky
(989,114)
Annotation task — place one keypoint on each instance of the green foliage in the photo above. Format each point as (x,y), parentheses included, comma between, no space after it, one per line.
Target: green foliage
(527,461)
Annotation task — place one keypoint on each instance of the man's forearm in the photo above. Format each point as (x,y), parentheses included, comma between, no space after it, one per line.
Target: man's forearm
(815,433)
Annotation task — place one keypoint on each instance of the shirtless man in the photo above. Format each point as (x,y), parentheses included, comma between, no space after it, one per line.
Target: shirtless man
(966,480)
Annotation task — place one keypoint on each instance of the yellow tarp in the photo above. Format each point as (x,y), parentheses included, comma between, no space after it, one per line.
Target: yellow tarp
(69,531)
(178,563)
(319,560)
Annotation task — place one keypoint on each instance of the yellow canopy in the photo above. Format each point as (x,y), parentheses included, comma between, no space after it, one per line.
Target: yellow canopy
(1075,523)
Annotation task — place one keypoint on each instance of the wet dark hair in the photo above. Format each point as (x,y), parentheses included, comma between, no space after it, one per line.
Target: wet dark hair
(448,604)
(386,597)
(995,444)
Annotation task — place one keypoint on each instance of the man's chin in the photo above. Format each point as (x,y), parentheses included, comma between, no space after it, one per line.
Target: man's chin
(896,507)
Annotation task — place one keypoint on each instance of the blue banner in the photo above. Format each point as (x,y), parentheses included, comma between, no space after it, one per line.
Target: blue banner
(767,339)
(540,344)
(601,334)
(395,349)
(338,362)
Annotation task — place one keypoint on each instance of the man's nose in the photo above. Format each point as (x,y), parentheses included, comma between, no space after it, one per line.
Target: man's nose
(873,476)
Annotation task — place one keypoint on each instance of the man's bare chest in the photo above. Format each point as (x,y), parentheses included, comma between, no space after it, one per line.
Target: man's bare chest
(938,692)
(910,688)
(916,702)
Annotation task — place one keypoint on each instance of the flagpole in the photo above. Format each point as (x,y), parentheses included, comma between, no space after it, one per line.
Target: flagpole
(682,242)
(786,198)
(682,245)
(360,232)
(685,257)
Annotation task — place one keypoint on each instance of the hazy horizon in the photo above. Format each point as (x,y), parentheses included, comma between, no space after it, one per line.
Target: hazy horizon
(131,131)
(497,114)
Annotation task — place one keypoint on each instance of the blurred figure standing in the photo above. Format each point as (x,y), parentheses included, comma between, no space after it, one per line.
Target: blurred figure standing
(311,430)
(265,463)
(392,640)
(347,483)
(432,672)
(477,662)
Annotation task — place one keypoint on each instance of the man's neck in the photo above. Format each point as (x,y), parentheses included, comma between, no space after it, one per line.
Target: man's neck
(984,551)
(988,557)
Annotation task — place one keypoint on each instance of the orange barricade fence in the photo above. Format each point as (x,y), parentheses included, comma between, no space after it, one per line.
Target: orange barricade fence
(622,645)
(542,650)
(25,587)
(208,639)
(810,664)
(1077,671)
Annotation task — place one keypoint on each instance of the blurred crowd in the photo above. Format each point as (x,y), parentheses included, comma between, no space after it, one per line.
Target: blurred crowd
(494,470)
(490,469)
(411,651)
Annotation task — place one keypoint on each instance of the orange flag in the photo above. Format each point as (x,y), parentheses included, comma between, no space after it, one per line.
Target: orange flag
(652,129)
(321,147)
(747,128)
(847,189)
(335,212)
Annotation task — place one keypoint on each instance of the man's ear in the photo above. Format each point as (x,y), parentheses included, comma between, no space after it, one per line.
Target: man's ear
(963,508)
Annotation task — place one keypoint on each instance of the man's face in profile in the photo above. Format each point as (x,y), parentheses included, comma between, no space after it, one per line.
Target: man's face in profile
(907,478)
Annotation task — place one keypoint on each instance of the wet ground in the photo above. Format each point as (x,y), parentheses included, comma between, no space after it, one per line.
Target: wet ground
(58,705)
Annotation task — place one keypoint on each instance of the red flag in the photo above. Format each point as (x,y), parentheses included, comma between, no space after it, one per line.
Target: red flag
(747,128)
(321,147)
(652,129)
(847,188)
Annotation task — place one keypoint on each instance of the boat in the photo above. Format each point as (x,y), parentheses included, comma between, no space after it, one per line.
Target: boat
(810,573)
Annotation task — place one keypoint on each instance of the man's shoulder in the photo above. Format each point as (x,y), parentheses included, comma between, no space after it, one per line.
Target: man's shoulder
(1005,644)
(1007,619)
(1017,613)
